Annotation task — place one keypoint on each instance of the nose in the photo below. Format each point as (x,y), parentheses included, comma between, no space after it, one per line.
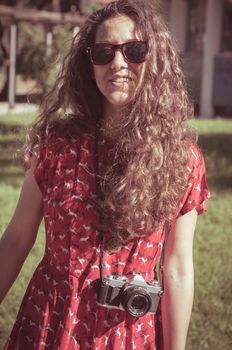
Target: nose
(118,60)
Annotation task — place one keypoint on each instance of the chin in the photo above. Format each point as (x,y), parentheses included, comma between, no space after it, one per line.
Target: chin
(120,101)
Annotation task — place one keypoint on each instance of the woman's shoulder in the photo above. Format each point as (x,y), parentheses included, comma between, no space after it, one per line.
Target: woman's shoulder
(197,190)
(61,139)
(63,133)
(195,160)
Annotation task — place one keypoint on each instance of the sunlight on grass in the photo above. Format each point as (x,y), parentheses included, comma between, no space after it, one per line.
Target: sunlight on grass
(205,126)
(211,321)
(17,118)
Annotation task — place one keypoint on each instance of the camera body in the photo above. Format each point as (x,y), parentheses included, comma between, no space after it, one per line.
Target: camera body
(134,295)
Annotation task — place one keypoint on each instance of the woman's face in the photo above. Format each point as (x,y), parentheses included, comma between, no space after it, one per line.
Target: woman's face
(118,80)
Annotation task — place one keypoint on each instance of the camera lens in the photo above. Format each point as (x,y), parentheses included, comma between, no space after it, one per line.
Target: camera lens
(136,301)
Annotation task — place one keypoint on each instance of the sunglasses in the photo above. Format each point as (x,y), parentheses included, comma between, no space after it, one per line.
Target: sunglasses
(103,53)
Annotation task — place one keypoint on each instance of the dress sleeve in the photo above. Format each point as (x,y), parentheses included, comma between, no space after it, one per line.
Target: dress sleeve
(43,167)
(197,192)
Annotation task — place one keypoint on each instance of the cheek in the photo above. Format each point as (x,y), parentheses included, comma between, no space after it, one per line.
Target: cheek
(98,74)
(140,73)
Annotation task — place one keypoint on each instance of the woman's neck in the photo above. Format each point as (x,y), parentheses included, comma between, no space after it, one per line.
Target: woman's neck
(111,122)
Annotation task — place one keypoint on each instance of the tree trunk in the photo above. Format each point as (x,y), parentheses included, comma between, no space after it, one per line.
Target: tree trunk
(5,88)
(4,61)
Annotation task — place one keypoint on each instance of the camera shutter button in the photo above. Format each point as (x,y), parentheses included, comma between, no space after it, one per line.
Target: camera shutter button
(154,283)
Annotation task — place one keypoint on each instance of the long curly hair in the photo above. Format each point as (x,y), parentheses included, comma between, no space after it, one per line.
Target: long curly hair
(143,186)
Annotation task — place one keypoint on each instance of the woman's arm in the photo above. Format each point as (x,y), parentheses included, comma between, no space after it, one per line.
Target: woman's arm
(21,232)
(179,282)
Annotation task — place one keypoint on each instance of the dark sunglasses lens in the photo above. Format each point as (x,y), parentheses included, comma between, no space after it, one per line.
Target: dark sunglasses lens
(136,51)
(102,54)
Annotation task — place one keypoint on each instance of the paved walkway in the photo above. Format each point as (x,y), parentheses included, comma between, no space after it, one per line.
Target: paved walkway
(19,108)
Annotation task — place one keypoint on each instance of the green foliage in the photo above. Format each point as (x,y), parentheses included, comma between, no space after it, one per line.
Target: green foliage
(31,48)
(211,326)
(36,61)
(91,6)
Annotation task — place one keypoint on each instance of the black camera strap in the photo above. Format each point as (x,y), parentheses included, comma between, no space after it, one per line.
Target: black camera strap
(162,257)
(100,196)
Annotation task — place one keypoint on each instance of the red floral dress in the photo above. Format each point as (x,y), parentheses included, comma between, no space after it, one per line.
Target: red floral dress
(59,309)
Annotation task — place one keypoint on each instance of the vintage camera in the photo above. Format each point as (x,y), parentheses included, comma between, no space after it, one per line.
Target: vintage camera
(135,295)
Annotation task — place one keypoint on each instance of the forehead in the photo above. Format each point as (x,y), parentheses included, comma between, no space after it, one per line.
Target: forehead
(117,30)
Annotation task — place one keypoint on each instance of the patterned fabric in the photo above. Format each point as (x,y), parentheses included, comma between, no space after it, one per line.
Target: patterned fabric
(59,309)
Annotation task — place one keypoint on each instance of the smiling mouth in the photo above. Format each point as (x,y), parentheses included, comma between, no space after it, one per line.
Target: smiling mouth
(120,80)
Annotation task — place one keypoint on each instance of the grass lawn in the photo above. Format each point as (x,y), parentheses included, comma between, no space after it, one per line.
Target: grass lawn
(211,324)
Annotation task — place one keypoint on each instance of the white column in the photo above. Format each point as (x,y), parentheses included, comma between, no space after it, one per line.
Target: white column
(212,38)
(178,22)
(49,41)
(12,65)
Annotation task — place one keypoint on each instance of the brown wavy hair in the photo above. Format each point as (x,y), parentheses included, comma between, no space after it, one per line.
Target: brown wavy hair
(147,179)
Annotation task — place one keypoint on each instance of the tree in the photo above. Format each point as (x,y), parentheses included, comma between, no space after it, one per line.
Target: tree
(4,58)
(31,46)
(35,60)
(52,5)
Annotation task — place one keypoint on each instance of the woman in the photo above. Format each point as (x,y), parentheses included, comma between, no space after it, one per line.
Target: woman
(110,161)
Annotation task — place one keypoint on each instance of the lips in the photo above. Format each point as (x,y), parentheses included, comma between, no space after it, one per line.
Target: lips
(120,79)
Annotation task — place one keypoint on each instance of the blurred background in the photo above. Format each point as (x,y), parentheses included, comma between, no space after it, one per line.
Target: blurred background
(34,34)
(34,37)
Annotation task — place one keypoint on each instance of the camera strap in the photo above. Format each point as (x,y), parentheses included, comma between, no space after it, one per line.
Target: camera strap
(100,196)
(162,257)
(101,234)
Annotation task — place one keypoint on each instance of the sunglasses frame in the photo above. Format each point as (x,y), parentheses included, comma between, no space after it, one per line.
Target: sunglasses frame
(115,47)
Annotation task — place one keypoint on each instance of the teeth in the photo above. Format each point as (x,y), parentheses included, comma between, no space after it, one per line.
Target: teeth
(120,80)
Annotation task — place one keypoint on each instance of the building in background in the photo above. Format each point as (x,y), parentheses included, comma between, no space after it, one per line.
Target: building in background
(203,33)
(202,30)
